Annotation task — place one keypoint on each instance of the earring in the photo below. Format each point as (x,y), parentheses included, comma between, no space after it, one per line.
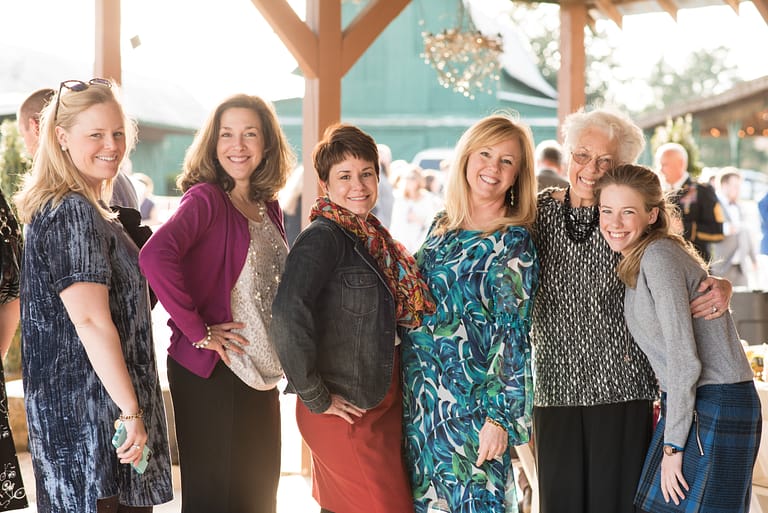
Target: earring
(63,148)
(511,198)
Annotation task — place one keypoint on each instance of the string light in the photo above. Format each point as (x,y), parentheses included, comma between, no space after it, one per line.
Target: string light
(466,60)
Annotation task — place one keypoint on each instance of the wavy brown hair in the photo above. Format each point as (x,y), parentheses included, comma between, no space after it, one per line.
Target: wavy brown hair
(645,182)
(202,166)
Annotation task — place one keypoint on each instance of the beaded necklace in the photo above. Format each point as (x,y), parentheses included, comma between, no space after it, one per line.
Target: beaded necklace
(577,230)
(265,307)
(274,265)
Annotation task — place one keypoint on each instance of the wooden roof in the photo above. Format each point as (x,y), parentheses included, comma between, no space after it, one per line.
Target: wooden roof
(615,10)
(742,110)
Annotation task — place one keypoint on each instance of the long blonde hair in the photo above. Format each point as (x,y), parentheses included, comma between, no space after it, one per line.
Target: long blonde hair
(491,130)
(645,182)
(202,166)
(53,173)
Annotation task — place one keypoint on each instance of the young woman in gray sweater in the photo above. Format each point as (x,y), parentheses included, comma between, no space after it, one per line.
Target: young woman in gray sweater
(706,441)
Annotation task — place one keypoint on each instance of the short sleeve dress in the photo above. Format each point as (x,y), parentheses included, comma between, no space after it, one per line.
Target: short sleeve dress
(468,361)
(69,412)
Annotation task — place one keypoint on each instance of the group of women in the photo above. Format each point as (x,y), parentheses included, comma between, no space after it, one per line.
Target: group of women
(414,374)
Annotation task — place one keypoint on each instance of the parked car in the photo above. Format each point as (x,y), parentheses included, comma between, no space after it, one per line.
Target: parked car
(431,158)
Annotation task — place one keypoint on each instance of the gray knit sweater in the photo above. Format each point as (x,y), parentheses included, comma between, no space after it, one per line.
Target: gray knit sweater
(685,352)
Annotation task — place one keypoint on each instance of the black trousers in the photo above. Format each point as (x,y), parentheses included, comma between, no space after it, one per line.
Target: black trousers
(229,442)
(589,459)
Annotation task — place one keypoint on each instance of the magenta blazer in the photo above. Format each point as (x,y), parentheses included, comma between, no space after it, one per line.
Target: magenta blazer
(192,263)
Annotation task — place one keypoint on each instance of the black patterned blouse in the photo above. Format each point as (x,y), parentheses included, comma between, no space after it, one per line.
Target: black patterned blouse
(583,352)
(10,253)
(12,493)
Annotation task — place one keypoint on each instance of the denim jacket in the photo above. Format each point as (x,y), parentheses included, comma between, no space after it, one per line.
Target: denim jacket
(333,321)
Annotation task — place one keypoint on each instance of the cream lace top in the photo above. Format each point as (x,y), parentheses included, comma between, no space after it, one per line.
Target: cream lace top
(252,298)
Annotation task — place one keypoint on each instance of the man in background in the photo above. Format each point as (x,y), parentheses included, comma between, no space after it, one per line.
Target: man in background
(734,256)
(28,117)
(549,165)
(702,215)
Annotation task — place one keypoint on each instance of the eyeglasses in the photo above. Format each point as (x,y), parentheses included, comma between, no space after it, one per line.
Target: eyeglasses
(77,86)
(583,157)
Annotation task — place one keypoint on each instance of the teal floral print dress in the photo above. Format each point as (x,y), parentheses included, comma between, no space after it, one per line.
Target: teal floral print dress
(468,361)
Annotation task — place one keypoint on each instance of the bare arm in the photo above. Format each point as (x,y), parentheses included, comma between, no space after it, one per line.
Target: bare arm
(9,321)
(87,305)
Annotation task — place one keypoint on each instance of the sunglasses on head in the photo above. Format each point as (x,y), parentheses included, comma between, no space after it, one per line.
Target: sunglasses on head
(77,86)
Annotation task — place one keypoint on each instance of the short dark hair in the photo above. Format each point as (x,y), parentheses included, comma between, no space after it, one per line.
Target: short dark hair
(551,154)
(342,141)
(33,105)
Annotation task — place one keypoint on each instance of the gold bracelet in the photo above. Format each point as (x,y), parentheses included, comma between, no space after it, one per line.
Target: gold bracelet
(495,423)
(132,416)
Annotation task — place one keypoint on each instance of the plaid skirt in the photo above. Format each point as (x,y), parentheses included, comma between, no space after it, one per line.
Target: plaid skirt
(726,429)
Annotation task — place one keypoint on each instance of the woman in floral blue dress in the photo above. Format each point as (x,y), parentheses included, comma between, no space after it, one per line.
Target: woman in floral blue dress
(468,389)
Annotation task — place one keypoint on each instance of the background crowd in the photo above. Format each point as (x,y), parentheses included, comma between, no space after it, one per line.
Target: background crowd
(428,321)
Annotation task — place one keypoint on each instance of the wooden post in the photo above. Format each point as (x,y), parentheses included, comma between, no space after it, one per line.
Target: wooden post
(107,56)
(571,77)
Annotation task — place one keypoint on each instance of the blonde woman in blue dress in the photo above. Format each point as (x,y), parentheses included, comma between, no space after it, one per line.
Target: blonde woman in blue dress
(468,390)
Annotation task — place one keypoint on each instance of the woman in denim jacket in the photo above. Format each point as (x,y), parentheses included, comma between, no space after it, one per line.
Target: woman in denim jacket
(347,285)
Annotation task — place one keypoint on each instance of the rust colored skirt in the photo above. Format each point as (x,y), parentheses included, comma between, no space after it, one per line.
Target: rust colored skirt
(359,467)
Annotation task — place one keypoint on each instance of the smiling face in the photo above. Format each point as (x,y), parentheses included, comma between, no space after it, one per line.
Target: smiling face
(352,184)
(583,177)
(492,170)
(96,142)
(240,144)
(623,217)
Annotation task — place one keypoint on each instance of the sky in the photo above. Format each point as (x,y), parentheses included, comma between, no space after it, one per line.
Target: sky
(223,47)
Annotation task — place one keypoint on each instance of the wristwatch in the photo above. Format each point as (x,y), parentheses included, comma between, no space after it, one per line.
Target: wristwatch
(669,450)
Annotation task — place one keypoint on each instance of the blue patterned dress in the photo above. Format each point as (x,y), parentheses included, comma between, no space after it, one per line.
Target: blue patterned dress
(69,413)
(468,361)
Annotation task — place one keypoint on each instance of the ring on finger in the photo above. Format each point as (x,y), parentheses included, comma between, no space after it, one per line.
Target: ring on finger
(134,446)
(226,345)
(714,309)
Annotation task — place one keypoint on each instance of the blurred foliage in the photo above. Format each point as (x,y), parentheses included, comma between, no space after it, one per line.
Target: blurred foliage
(14,162)
(13,165)
(706,73)
(680,131)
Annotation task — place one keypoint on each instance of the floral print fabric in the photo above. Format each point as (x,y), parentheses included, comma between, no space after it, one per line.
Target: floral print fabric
(470,360)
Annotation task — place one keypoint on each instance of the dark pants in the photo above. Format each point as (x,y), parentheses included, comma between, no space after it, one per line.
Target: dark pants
(589,459)
(111,505)
(229,442)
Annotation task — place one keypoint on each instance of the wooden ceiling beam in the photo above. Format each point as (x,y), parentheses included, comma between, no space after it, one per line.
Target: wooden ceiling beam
(366,27)
(669,6)
(762,8)
(610,11)
(734,5)
(293,32)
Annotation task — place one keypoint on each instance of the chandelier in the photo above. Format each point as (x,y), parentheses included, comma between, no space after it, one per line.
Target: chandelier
(466,60)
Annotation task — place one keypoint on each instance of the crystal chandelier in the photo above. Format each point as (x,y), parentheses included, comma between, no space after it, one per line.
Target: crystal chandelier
(465,59)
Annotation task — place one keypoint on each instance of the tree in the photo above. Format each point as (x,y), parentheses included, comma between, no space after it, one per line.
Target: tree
(679,131)
(13,161)
(540,24)
(705,73)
